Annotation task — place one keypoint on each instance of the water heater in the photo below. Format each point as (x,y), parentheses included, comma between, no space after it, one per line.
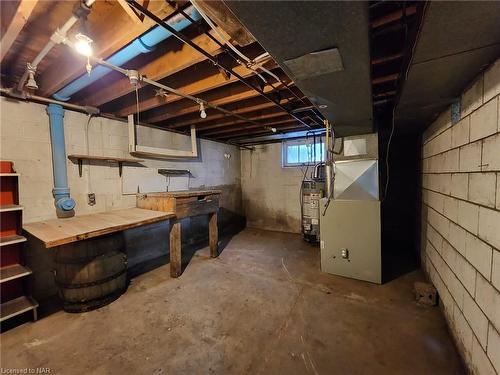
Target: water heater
(312,192)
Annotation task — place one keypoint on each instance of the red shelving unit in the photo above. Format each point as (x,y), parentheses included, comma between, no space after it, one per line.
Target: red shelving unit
(13,272)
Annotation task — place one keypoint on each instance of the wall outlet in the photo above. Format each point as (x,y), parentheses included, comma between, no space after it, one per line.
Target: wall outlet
(344,253)
(91,199)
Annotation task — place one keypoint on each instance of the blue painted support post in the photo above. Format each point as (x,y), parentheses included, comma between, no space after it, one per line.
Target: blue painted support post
(62,200)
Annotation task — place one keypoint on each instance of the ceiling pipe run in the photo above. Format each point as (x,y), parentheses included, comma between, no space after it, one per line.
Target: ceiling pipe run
(25,96)
(213,59)
(31,67)
(144,44)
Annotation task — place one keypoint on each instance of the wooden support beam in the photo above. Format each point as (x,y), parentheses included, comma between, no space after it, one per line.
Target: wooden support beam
(231,122)
(386,59)
(236,92)
(192,83)
(131,13)
(282,121)
(172,61)
(394,16)
(19,20)
(385,79)
(175,248)
(112,29)
(213,235)
(385,94)
(240,108)
(295,127)
(225,18)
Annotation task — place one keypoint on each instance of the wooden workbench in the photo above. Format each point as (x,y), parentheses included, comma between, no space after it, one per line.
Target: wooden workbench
(58,232)
(184,204)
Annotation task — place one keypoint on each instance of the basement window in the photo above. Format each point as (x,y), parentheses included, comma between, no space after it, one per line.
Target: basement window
(303,151)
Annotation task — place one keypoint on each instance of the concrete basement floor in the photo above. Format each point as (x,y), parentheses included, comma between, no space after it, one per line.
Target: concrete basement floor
(262,307)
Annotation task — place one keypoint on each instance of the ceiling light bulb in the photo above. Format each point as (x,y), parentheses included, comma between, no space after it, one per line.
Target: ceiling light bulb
(83,45)
(203,114)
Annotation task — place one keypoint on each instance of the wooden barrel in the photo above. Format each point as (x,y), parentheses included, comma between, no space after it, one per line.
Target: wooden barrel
(91,274)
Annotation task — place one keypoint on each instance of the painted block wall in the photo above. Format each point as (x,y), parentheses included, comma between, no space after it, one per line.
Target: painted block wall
(25,140)
(271,192)
(461,220)
(271,198)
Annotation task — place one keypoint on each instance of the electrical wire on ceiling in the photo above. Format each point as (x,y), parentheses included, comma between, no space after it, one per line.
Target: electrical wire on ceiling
(211,58)
(135,78)
(252,64)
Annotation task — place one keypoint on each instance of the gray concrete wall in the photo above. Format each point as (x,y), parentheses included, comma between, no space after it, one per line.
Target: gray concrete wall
(271,192)
(461,220)
(25,140)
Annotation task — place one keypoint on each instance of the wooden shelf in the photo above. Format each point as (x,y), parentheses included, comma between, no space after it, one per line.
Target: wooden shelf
(10,240)
(110,159)
(58,232)
(17,306)
(9,174)
(10,207)
(12,272)
(174,172)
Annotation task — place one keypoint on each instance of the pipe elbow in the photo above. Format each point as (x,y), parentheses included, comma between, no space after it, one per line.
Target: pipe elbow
(141,46)
(55,110)
(65,203)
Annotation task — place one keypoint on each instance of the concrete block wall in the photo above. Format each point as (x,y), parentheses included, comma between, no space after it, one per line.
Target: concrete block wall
(461,220)
(25,140)
(271,197)
(271,192)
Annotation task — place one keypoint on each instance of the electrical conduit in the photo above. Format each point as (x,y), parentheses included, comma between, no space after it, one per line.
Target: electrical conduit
(143,44)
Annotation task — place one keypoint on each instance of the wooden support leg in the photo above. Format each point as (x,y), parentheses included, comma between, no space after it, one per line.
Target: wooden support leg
(175,248)
(213,235)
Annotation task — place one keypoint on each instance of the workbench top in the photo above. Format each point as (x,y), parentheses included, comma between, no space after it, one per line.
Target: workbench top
(181,194)
(58,232)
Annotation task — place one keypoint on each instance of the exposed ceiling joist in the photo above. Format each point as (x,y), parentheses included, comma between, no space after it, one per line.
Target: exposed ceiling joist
(241,108)
(226,20)
(111,30)
(171,62)
(19,20)
(395,16)
(230,123)
(235,93)
(277,119)
(280,127)
(192,83)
